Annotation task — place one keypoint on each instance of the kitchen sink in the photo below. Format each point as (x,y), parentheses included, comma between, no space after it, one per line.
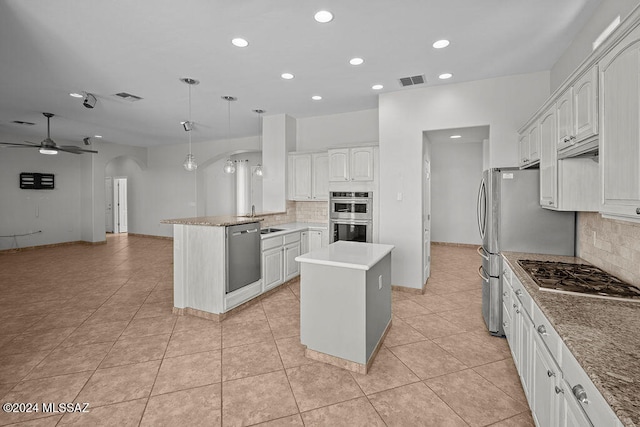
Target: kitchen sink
(270,230)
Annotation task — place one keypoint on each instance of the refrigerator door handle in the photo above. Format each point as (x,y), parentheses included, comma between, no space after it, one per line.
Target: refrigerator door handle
(480,271)
(483,253)
(481,216)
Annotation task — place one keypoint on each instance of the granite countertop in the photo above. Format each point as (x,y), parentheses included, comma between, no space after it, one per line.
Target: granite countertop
(214,221)
(293,227)
(354,255)
(603,335)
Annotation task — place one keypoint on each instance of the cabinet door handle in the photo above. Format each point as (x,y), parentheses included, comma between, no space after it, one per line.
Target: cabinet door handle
(550,373)
(637,211)
(580,394)
(559,390)
(514,305)
(504,324)
(517,311)
(565,140)
(504,294)
(519,292)
(550,202)
(542,330)
(572,137)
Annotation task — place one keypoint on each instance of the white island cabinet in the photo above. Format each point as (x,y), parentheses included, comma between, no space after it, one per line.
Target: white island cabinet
(345,303)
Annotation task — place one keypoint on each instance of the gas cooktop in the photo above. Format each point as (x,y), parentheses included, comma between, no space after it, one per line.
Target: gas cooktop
(583,279)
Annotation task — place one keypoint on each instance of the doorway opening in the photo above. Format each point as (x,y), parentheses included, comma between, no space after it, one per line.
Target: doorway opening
(116,217)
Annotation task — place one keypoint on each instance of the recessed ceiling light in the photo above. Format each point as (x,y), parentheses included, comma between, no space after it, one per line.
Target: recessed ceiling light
(76,95)
(356,61)
(323,16)
(445,76)
(316,97)
(239,42)
(287,76)
(377,87)
(441,44)
(455,136)
(97,136)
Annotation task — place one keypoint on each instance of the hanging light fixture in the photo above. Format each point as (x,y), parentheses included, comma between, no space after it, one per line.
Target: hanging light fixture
(229,165)
(259,112)
(190,161)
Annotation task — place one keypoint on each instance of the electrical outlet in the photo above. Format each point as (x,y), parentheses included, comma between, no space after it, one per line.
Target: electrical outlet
(380,282)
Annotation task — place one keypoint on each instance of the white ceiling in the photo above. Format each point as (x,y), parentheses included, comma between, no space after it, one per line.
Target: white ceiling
(467,135)
(51,48)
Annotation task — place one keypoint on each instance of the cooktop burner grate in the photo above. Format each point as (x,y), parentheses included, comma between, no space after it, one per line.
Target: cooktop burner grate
(578,278)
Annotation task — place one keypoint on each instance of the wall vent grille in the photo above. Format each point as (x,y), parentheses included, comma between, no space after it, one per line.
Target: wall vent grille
(37,181)
(413,80)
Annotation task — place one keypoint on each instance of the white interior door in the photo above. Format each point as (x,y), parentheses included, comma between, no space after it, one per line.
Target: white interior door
(108,204)
(426,220)
(120,208)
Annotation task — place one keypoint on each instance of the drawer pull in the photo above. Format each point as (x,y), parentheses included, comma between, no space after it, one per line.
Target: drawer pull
(515,305)
(519,292)
(542,330)
(504,294)
(504,324)
(517,311)
(550,373)
(559,390)
(580,394)
(637,211)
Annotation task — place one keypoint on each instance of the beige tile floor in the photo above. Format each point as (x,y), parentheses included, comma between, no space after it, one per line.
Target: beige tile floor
(93,324)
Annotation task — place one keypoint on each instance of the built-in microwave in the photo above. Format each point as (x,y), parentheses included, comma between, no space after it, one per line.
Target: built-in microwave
(354,205)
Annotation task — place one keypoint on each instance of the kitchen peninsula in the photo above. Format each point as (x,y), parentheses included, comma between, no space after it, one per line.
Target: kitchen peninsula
(200,265)
(345,303)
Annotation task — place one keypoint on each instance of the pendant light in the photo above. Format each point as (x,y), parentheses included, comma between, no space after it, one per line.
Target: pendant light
(259,112)
(189,164)
(229,166)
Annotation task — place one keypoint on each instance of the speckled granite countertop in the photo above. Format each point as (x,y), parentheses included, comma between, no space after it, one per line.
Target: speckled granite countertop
(603,335)
(214,221)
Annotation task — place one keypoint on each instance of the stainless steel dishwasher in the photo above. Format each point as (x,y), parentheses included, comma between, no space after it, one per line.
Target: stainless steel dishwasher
(243,255)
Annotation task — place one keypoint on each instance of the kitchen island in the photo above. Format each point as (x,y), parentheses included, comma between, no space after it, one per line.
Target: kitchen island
(345,303)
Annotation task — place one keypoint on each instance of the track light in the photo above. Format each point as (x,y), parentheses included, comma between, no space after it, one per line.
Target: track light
(89,100)
(188,125)
(86,141)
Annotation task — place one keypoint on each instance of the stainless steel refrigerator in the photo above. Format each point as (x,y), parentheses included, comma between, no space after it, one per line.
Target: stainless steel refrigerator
(510,219)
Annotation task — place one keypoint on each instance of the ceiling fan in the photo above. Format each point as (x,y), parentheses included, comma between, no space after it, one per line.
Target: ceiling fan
(48,146)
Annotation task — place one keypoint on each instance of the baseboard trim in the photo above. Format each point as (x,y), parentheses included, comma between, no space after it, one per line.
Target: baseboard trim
(458,245)
(151,236)
(408,290)
(51,245)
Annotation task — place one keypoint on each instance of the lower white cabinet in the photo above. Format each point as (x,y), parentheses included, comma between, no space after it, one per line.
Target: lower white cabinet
(559,392)
(278,259)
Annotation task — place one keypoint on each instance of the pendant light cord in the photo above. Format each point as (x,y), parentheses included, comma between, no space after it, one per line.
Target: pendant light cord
(190,119)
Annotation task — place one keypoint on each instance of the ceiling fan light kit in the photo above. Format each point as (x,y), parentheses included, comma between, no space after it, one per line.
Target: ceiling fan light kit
(48,145)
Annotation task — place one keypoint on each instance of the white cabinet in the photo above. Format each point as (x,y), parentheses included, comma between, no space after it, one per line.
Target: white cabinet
(311,240)
(529,146)
(577,112)
(620,133)
(272,273)
(544,383)
(278,259)
(320,176)
(308,176)
(351,164)
(548,159)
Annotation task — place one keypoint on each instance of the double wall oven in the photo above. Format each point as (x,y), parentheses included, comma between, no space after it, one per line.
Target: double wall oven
(351,216)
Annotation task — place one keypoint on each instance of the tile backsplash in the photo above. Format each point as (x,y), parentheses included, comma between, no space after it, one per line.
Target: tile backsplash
(612,245)
(299,212)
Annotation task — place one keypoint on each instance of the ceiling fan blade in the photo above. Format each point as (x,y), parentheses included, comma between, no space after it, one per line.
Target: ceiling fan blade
(74,149)
(17,145)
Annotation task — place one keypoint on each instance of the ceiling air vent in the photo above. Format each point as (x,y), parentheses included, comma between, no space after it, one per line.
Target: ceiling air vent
(413,80)
(127,96)
(20,122)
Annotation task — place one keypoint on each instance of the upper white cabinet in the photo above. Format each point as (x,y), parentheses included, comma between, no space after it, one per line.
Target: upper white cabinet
(351,164)
(548,159)
(577,113)
(308,176)
(620,134)
(529,146)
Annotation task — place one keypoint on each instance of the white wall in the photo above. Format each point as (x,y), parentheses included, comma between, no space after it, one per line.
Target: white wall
(56,212)
(456,170)
(218,189)
(581,46)
(319,133)
(502,103)
(279,138)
